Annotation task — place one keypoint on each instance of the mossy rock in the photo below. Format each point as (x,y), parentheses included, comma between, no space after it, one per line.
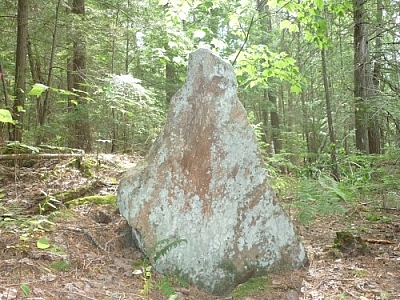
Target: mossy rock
(349,244)
(48,205)
(85,165)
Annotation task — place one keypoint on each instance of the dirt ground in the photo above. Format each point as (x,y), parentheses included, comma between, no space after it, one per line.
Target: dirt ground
(83,253)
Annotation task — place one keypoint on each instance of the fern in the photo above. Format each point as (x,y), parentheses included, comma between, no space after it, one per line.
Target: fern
(319,197)
(162,247)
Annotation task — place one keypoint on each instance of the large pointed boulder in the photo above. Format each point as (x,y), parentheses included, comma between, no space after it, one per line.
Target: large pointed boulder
(204,181)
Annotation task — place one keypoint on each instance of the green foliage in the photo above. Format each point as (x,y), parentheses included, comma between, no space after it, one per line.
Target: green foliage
(148,283)
(259,64)
(61,265)
(253,287)
(372,217)
(96,199)
(25,289)
(12,218)
(319,197)
(5,116)
(50,203)
(42,243)
(162,247)
(125,103)
(17,147)
(165,285)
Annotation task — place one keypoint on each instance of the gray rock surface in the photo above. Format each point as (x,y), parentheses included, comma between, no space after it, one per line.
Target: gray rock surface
(204,181)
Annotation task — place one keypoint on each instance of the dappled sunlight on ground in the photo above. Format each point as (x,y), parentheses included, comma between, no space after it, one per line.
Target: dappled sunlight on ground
(88,257)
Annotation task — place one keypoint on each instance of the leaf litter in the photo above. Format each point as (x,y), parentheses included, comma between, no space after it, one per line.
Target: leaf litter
(89,254)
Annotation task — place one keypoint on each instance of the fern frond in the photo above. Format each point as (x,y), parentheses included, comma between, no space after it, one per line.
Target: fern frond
(321,196)
(162,247)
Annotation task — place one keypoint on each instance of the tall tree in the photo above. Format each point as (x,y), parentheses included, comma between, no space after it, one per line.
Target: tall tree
(270,95)
(81,133)
(20,69)
(374,133)
(362,75)
(332,138)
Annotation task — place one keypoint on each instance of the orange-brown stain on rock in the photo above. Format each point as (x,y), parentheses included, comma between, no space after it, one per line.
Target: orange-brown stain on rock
(199,139)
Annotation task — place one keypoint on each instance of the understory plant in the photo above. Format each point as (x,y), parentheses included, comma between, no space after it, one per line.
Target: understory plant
(319,196)
(158,250)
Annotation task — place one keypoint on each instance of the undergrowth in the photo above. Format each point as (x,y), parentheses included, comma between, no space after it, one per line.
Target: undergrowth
(158,250)
(372,179)
(319,197)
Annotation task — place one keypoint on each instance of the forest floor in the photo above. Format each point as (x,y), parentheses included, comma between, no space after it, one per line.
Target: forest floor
(81,252)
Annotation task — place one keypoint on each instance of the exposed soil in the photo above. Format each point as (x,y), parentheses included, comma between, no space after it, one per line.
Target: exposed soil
(89,255)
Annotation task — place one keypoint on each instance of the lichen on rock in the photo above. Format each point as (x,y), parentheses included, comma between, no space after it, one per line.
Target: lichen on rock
(204,181)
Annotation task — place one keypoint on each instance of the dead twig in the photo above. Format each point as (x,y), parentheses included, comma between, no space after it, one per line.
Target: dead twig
(88,233)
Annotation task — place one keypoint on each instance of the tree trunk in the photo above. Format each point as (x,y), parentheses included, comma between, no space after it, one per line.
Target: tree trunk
(332,138)
(45,106)
(268,94)
(276,139)
(362,75)
(374,132)
(20,69)
(81,134)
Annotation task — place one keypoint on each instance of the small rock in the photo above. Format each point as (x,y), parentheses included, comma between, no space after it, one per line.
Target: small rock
(292,295)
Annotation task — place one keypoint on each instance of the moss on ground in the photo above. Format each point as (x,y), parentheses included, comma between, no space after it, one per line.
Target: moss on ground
(106,199)
(253,287)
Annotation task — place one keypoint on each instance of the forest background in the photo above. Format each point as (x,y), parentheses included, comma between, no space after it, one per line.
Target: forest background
(319,80)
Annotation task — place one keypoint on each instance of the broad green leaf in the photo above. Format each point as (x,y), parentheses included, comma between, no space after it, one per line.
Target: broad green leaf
(293,28)
(43,243)
(319,4)
(37,89)
(25,289)
(285,24)
(5,116)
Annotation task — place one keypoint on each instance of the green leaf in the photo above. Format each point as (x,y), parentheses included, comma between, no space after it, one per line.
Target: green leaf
(5,116)
(37,89)
(285,24)
(25,289)
(42,243)
(319,4)
(296,89)
(293,28)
